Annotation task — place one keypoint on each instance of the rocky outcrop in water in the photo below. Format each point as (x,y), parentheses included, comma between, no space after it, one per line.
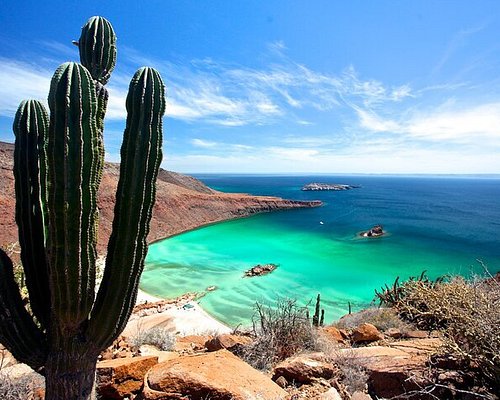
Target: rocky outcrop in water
(261,269)
(376,231)
(327,186)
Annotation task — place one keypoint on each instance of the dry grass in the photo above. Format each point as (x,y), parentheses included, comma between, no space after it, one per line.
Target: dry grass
(158,337)
(280,332)
(19,388)
(353,375)
(382,318)
(467,311)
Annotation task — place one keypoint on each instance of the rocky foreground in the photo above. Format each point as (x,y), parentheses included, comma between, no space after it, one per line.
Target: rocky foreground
(353,361)
(182,203)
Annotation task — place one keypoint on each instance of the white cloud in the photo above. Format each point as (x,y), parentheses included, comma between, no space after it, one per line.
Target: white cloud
(481,122)
(373,122)
(203,143)
(20,81)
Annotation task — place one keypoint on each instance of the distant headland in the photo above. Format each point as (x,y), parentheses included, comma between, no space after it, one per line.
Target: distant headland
(328,186)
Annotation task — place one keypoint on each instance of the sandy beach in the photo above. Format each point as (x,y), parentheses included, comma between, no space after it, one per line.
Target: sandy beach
(182,316)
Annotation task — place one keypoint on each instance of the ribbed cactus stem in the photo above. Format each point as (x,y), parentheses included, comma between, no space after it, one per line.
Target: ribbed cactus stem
(72,194)
(31,125)
(97,47)
(316,315)
(18,332)
(141,156)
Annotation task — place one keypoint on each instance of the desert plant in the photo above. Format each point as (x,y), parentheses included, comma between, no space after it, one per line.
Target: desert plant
(318,317)
(57,167)
(468,313)
(157,336)
(280,332)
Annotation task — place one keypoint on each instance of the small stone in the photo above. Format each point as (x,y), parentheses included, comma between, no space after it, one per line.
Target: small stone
(360,396)
(416,334)
(281,382)
(330,394)
(393,333)
(366,333)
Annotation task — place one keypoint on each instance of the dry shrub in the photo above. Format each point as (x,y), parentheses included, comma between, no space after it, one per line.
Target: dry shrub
(280,332)
(158,337)
(353,374)
(382,318)
(19,388)
(468,312)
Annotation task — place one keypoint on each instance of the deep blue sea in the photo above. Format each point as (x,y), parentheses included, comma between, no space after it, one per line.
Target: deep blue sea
(440,224)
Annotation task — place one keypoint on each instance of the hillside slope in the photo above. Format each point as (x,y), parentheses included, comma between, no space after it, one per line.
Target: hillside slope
(182,203)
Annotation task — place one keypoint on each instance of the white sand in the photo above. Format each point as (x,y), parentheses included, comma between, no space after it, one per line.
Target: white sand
(184,318)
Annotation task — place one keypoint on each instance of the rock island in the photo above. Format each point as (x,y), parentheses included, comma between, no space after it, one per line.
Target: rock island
(328,186)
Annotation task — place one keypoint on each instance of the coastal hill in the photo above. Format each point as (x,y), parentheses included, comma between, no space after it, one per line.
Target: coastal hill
(182,203)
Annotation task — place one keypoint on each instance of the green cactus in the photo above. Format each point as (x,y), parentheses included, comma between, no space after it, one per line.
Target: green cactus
(97,45)
(57,168)
(319,315)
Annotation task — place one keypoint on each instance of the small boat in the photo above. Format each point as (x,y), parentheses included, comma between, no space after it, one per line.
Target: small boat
(321,222)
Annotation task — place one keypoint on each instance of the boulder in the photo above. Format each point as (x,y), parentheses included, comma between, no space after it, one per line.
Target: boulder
(334,334)
(217,375)
(232,343)
(366,333)
(397,368)
(122,377)
(304,368)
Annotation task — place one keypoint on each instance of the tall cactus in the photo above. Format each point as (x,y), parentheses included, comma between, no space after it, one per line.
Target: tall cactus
(57,168)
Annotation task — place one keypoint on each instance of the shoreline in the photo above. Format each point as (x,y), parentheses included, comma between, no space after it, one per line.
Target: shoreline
(250,215)
(182,316)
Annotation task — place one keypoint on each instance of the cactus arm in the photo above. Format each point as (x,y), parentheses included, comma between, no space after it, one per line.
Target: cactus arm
(97,47)
(72,193)
(141,155)
(18,332)
(31,124)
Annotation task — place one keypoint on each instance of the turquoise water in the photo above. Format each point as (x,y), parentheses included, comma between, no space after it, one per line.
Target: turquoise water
(434,224)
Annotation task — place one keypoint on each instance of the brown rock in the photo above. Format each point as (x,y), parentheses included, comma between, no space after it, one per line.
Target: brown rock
(416,334)
(333,334)
(393,333)
(366,333)
(218,375)
(122,377)
(330,394)
(395,369)
(304,368)
(230,342)
(191,343)
(281,382)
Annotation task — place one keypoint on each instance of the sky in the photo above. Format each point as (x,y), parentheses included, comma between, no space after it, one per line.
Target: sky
(285,86)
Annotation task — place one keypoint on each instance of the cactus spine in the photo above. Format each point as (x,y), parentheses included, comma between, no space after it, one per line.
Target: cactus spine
(58,167)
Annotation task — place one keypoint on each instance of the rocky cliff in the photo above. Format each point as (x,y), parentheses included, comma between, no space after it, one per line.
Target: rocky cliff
(182,203)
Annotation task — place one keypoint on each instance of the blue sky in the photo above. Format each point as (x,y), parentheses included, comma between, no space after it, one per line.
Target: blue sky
(285,86)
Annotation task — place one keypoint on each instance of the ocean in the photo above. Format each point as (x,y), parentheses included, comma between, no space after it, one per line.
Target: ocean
(443,225)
